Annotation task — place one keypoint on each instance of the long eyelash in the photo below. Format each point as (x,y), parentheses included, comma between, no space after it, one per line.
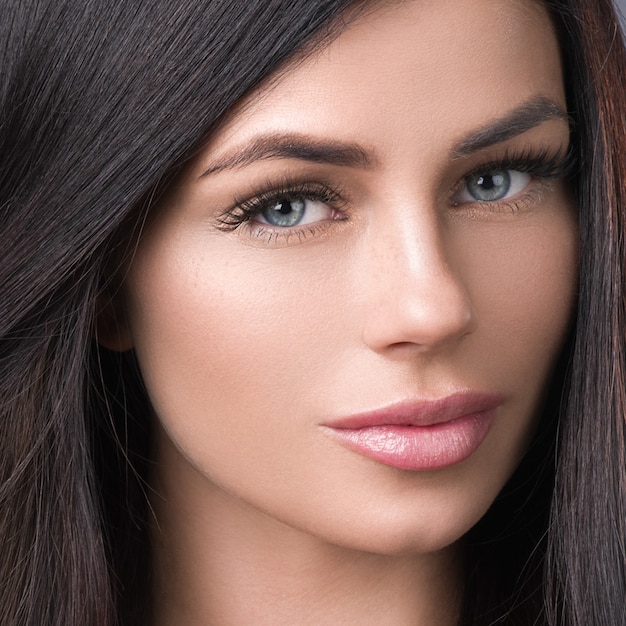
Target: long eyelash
(540,163)
(245,209)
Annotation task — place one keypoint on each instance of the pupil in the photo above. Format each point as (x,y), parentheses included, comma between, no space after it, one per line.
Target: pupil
(285,212)
(487,182)
(491,181)
(284,208)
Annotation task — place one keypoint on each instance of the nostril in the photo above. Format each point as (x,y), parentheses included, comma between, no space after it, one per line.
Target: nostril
(420,315)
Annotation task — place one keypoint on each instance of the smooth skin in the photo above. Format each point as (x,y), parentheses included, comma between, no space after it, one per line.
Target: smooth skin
(399,286)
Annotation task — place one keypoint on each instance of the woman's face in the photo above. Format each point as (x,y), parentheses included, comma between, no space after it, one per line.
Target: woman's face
(347,308)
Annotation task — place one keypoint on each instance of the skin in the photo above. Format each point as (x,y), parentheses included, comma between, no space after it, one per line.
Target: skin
(249,340)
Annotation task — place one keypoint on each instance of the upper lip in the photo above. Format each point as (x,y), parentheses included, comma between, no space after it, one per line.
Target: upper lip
(421,412)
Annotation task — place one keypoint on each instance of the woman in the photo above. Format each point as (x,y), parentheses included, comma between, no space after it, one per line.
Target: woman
(312,313)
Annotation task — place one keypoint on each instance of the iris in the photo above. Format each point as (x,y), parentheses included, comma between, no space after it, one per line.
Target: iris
(488,187)
(287,212)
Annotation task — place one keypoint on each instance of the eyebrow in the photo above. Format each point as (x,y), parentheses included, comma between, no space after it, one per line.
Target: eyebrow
(295,146)
(290,145)
(521,119)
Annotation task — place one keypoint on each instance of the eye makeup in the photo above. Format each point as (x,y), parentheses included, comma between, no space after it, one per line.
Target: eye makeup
(271,194)
(540,167)
(297,207)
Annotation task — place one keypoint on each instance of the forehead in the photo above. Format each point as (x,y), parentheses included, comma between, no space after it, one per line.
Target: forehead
(439,63)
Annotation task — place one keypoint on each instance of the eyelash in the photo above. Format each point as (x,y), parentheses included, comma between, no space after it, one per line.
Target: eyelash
(541,165)
(246,209)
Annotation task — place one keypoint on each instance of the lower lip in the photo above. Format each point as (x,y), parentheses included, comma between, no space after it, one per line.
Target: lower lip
(420,448)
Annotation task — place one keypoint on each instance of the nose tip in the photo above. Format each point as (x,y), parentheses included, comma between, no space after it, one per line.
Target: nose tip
(425,305)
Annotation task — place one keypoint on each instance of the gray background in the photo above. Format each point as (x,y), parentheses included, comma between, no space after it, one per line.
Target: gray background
(621,9)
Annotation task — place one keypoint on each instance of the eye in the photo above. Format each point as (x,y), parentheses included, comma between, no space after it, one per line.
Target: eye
(283,207)
(492,186)
(285,211)
(293,211)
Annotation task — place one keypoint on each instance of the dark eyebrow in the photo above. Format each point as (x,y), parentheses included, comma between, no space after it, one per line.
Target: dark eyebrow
(294,146)
(307,148)
(524,117)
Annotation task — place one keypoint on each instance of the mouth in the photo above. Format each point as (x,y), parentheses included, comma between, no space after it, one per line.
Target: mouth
(420,435)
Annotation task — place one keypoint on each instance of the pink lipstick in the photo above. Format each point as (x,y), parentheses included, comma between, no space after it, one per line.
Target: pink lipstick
(420,435)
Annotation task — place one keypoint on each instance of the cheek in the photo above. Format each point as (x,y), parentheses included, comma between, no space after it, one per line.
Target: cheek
(527,293)
(524,294)
(224,345)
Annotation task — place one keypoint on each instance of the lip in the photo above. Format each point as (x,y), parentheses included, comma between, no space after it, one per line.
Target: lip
(420,435)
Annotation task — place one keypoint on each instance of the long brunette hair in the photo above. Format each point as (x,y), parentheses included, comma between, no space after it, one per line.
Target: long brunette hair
(101,103)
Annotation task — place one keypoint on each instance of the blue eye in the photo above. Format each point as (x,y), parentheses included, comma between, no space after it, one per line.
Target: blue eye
(492,186)
(285,213)
(294,211)
(284,207)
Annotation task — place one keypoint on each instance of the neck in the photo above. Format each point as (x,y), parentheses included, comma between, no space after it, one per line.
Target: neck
(218,560)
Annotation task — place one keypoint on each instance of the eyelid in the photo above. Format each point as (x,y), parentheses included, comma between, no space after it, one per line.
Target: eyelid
(541,164)
(512,192)
(244,209)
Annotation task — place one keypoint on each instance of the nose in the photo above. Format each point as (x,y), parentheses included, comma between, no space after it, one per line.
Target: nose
(415,296)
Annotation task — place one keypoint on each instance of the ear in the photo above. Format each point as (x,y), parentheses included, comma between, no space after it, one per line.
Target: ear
(111,329)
